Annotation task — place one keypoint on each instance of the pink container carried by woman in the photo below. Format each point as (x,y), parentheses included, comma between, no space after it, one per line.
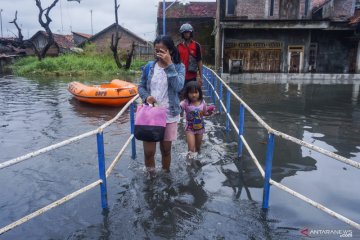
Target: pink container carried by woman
(150,123)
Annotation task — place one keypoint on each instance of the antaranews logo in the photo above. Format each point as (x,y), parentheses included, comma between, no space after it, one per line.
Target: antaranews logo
(305,232)
(323,232)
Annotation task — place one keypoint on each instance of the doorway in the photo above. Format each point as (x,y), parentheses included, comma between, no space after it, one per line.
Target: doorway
(295,59)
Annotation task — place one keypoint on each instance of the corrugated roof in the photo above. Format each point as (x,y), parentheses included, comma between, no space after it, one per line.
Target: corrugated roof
(84,35)
(143,41)
(190,10)
(63,41)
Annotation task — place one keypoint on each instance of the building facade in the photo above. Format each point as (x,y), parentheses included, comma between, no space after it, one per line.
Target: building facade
(62,43)
(102,42)
(288,36)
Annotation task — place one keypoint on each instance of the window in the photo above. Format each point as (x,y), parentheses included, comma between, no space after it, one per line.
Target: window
(306,7)
(271,8)
(230,7)
(357,4)
(312,57)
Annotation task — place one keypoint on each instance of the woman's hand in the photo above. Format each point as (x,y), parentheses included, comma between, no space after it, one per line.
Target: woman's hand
(150,100)
(164,56)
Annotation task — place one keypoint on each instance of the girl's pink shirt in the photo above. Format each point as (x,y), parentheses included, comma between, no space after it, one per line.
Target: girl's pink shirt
(189,107)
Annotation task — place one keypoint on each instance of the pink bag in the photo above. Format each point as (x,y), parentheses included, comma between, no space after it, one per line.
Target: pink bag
(150,123)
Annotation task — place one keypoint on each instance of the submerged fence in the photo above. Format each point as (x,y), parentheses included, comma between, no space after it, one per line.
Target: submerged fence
(215,85)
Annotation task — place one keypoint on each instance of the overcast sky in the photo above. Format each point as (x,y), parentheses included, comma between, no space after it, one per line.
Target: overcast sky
(138,16)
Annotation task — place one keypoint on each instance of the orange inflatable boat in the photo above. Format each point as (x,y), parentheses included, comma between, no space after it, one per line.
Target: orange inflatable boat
(115,93)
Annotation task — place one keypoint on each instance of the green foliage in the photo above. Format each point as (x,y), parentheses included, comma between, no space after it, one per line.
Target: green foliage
(87,63)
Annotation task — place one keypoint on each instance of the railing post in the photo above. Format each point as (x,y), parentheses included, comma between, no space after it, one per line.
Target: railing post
(214,95)
(132,129)
(241,129)
(228,110)
(268,168)
(220,96)
(204,75)
(211,85)
(101,161)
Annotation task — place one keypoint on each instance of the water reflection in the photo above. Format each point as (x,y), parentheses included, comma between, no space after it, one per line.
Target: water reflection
(96,112)
(331,113)
(174,204)
(237,180)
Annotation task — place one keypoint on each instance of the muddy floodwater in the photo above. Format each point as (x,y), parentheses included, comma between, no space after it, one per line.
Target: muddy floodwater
(219,200)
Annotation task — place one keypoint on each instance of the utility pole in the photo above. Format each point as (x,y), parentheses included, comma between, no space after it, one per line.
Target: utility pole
(92,31)
(164,17)
(1,23)
(61,19)
(164,14)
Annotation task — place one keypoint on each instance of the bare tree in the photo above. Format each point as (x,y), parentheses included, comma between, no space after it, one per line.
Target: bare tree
(20,36)
(115,38)
(45,24)
(19,42)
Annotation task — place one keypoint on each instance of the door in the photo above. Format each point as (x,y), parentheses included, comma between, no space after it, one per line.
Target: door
(294,62)
(295,59)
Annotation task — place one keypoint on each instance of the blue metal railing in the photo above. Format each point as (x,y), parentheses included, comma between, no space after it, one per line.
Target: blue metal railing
(211,79)
(212,83)
(103,173)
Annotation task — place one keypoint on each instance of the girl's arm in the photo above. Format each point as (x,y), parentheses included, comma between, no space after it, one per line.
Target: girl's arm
(176,76)
(208,110)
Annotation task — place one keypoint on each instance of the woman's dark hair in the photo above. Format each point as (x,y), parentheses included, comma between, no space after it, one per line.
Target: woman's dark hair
(193,86)
(169,43)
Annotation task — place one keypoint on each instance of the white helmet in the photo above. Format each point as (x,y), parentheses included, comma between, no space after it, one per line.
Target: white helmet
(186,27)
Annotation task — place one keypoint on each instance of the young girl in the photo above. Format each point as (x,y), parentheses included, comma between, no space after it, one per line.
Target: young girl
(195,109)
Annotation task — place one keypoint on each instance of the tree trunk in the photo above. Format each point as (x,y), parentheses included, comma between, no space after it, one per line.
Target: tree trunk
(115,39)
(129,56)
(45,25)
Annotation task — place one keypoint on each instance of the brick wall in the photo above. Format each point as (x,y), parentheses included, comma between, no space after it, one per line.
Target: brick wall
(256,9)
(276,9)
(103,42)
(343,8)
(302,9)
(252,9)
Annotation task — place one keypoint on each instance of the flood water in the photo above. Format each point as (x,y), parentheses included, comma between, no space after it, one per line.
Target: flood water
(220,200)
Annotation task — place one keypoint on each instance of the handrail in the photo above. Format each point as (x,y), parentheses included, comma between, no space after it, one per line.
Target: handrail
(100,129)
(285,136)
(48,207)
(68,141)
(63,143)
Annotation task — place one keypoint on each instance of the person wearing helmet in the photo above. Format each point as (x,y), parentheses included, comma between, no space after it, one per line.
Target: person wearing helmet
(190,54)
